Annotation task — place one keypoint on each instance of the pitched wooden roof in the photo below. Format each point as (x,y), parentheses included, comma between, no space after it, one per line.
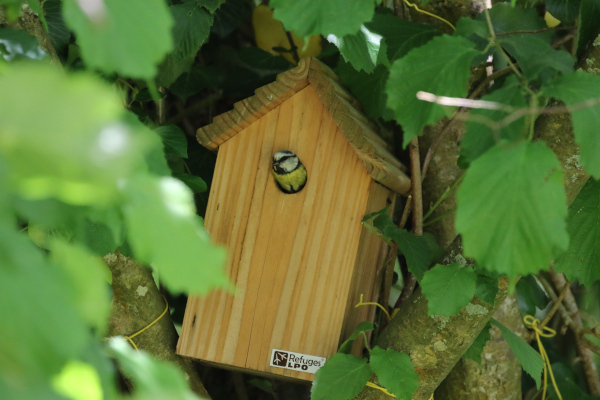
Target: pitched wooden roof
(369,147)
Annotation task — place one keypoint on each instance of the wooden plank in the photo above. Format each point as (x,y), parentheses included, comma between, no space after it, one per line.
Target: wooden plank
(291,256)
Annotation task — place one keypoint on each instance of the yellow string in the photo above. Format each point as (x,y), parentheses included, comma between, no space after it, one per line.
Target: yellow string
(532,323)
(428,13)
(374,386)
(130,337)
(360,303)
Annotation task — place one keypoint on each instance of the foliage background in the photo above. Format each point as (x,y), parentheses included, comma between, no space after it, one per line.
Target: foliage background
(99,106)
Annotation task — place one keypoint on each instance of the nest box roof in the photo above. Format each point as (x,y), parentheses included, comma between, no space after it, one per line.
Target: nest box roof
(344,109)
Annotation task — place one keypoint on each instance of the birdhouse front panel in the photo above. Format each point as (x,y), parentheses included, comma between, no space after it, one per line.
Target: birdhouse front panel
(292,256)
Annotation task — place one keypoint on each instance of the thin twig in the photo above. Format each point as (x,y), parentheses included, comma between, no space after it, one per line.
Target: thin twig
(590,371)
(555,307)
(293,47)
(556,28)
(563,40)
(208,100)
(484,84)
(417,206)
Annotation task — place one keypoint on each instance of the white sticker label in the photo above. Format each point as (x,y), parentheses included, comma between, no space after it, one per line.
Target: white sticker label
(296,361)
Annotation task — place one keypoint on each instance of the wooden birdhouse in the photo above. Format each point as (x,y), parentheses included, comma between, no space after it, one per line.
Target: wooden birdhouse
(299,261)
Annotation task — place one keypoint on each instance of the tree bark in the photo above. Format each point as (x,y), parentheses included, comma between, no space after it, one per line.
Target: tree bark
(136,303)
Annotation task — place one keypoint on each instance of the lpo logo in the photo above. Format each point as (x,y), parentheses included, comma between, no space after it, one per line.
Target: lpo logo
(296,361)
(280,358)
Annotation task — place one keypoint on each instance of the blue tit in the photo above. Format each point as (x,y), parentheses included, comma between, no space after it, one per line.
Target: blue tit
(289,172)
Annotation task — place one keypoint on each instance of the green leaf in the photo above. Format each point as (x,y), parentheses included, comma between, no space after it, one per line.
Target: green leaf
(43,326)
(582,258)
(466,27)
(342,377)
(126,37)
(83,127)
(199,78)
(417,252)
(152,378)
(474,352)
(574,89)
(169,70)
(165,232)
(18,45)
(230,16)
(530,360)
(87,276)
(191,29)
(57,29)
(395,372)
(511,209)
(445,74)
(563,10)
(589,24)
(78,381)
(506,18)
(536,55)
(486,288)
(173,139)
(210,5)
(479,137)
(360,49)
(368,89)
(336,17)
(401,35)
(448,288)
(530,295)
(195,183)
(363,327)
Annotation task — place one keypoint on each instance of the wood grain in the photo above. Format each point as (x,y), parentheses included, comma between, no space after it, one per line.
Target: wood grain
(340,104)
(292,257)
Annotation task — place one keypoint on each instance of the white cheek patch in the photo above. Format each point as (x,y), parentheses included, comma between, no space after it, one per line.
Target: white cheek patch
(290,164)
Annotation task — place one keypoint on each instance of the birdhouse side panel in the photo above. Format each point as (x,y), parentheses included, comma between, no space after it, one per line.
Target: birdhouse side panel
(369,269)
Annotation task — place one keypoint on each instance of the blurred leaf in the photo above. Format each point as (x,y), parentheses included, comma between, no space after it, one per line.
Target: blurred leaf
(78,381)
(574,89)
(152,379)
(474,352)
(363,327)
(210,5)
(173,139)
(511,209)
(336,17)
(395,372)
(87,276)
(401,35)
(448,288)
(195,183)
(191,29)
(449,60)
(342,377)
(589,24)
(45,328)
(18,45)
(478,137)
(144,95)
(530,360)
(77,147)
(582,258)
(164,231)
(486,288)
(197,79)
(128,38)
